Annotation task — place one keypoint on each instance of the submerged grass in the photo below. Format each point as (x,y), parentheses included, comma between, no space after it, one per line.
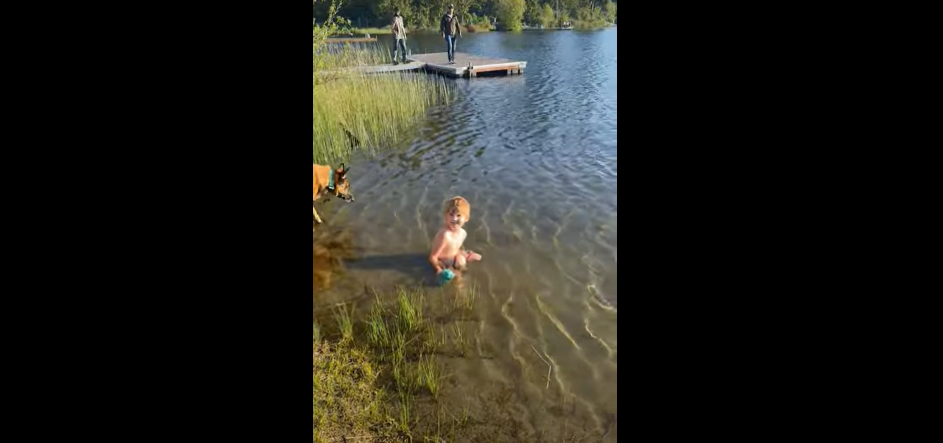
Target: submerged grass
(458,337)
(429,374)
(377,332)
(392,357)
(464,298)
(409,309)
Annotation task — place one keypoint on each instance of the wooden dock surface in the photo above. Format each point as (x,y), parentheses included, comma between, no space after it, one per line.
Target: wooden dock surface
(351,39)
(468,65)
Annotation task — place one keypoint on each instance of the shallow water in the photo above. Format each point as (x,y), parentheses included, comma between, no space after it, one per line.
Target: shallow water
(536,157)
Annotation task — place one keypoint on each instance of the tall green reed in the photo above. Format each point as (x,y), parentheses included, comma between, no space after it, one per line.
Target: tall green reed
(354,110)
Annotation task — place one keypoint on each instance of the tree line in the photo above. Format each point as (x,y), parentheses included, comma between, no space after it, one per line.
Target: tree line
(506,14)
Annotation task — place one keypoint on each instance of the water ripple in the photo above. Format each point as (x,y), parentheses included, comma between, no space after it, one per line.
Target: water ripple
(536,155)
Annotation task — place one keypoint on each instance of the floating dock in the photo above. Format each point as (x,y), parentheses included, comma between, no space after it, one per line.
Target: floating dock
(337,40)
(467,65)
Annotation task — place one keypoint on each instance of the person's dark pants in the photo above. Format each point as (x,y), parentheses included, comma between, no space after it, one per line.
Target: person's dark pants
(399,45)
(450,44)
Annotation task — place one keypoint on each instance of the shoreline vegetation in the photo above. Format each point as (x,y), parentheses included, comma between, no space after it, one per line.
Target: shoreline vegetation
(374,378)
(577,25)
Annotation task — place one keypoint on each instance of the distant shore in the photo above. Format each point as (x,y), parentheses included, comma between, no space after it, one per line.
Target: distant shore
(364,32)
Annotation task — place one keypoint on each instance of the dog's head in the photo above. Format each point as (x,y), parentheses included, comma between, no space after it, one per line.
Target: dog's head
(341,185)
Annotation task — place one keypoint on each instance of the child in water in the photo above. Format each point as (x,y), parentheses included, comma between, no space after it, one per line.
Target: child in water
(447,253)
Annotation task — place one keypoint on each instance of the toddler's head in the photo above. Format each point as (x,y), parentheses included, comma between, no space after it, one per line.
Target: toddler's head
(456,212)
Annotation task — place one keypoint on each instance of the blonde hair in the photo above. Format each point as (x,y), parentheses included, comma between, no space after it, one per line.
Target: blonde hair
(459,204)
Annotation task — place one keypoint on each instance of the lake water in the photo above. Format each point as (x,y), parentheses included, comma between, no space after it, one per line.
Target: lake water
(536,157)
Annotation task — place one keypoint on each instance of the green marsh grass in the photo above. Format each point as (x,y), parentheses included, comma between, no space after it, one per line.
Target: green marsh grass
(409,307)
(335,56)
(404,413)
(358,111)
(458,337)
(464,298)
(377,330)
(344,324)
(428,374)
(368,111)
(378,378)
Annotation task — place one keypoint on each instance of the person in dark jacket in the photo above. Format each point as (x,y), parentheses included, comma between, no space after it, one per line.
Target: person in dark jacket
(450,31)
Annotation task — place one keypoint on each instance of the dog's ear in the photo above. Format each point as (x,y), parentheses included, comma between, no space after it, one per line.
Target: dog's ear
(341,169)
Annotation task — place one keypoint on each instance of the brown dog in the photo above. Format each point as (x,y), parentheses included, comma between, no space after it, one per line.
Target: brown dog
(328,182)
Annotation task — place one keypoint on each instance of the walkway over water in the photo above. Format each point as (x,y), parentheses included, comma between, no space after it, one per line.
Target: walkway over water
(466,65)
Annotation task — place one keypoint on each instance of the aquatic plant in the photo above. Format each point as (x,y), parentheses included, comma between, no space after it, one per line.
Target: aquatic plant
(370,111)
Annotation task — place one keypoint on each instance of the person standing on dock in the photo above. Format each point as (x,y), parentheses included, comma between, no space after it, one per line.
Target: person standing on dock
(399,36)
(450,30)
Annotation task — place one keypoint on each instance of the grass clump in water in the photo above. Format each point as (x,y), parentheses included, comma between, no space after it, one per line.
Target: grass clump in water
(458,337)
(378,332)
(366,111)
(335,56)
(344,324)
(409,309)
(429,374)
(464,297)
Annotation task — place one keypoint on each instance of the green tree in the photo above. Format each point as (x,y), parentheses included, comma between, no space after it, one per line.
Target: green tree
(510,13)
(563,18)
(546,16)
(569,7)
(531,12)
(322,31)
(609,10)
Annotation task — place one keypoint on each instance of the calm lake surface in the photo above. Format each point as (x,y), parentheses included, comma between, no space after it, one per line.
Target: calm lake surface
(536,157)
